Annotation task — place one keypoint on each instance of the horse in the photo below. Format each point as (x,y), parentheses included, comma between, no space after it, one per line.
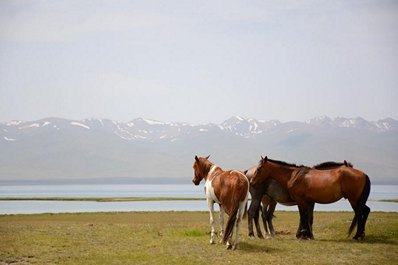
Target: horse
(272,192)
(307,186)
(267,194)
(230,189)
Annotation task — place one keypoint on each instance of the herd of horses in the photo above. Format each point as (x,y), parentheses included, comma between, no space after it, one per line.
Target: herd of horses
(271,182)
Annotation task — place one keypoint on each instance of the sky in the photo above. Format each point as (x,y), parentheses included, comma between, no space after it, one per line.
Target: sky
(198,61)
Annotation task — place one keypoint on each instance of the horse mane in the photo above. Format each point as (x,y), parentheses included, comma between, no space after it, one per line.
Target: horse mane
(282,163)
(332,164)
(206,164)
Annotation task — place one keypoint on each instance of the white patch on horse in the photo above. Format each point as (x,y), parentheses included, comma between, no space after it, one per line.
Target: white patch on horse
(209,190)
(210,194)
(212,169)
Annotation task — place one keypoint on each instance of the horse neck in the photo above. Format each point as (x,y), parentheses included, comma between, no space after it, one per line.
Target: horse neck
(208,170)
(282,174)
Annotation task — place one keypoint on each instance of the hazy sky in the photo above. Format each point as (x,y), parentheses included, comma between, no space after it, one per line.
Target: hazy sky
(198,61)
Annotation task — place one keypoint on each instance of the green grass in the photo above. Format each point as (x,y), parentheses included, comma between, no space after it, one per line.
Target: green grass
(183,238)
(389,200)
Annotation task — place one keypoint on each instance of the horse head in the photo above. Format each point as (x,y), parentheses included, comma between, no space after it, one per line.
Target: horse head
(201,168)
(260,172)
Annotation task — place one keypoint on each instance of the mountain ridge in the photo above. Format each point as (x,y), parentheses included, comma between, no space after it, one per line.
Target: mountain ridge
(236,124)
(57,148)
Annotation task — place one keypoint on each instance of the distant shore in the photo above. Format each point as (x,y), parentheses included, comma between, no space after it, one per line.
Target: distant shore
(96,199)
(124,199)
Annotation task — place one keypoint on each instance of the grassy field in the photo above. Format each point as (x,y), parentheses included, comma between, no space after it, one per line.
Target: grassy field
(183,238)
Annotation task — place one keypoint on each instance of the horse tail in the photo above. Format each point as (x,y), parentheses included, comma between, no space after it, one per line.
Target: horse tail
(361,203)
(230,225)
(245,211)
(353,224)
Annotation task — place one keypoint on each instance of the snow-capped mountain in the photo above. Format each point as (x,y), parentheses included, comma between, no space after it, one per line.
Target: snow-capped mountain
(151,130)
(358,123)
(55,148)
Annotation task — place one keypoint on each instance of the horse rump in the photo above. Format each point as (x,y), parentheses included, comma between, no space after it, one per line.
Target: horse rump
(361,211)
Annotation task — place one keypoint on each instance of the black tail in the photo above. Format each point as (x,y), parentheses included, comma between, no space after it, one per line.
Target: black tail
(361,205)
(230,225)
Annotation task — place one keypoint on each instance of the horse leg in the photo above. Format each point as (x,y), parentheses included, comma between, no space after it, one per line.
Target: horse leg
(362,218)
(365,218)
(311,218)
(210,204)
(253,211)
(221,217)
(299,229)
(299,233)
(270,216)
(266,200)
(304,220)
(264,215)
(256,222)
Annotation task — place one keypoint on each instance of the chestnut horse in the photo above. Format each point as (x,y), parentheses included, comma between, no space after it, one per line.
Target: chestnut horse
(230,189)
(307,186)
(265,196)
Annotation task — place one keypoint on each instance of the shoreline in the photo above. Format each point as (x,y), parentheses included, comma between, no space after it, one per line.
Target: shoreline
(105,199)
(129,199)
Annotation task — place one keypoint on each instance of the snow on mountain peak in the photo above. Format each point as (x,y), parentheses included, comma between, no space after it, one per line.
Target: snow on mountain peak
(141,129)
(80,125)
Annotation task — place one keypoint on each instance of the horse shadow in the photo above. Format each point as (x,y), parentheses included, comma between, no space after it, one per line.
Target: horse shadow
(254,248)
(369,239)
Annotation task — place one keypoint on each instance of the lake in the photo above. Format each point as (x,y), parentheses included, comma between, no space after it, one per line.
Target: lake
(142,190)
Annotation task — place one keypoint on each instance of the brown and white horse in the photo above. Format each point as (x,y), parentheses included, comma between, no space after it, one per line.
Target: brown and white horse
(230,189)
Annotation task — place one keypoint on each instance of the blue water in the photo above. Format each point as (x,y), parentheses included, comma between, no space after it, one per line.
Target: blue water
(101,191)
(190,191)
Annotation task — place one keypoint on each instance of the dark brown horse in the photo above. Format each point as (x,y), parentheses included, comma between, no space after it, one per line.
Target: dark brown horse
(230,189)
(268,194)
(321,184)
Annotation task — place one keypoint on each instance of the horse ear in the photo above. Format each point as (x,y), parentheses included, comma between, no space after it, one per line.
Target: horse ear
(345,163)
(197,159)
(207,157)
(265,159)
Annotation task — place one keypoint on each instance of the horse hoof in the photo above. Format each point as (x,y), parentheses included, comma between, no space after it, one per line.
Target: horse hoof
(235,247)
(229,246)
(212,242)
(252,237)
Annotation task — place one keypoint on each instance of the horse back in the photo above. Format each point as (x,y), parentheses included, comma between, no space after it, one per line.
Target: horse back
(231,187)
(330,185)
